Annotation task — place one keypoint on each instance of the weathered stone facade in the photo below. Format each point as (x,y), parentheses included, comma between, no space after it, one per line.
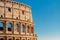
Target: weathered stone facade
(16,21)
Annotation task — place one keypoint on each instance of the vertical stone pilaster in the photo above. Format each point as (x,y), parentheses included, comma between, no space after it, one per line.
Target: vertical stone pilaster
(12,10)
(4,8)
(13,38)
(5,37)
(25,28)
(19,25)
(19,11)
(30,38)
(12,28)
(29,29)
(5,27)
(26,38)
(20,38)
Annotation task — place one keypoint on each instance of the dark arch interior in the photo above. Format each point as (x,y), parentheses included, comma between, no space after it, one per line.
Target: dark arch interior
(9,26)
(28,39)
(28,29)
(17,39)
(10,39)
(22,28)
(1,39)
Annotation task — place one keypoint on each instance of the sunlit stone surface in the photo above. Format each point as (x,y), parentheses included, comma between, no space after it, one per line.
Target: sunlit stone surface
(16,22)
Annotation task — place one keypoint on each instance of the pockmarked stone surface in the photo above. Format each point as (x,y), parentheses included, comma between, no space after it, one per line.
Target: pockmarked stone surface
(16,22)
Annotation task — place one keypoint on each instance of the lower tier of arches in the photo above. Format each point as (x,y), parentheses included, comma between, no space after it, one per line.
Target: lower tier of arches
(16,38)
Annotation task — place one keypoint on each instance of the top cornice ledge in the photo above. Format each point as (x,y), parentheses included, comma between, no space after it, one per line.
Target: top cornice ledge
(21,3)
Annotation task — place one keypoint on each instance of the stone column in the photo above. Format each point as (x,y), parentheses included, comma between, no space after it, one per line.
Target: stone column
(13,38)
(5,37)
(12,28)
(29,29)
(25,28)
(19,27)
(12,10)
(20,38)
(4,8)
(26,38)
(5,27)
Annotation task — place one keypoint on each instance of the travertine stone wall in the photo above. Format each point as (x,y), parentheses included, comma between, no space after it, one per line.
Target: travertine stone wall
(16,13)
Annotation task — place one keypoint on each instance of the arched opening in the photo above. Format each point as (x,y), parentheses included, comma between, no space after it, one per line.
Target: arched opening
(9,26)
(16,17)
(1,26)
(17,39)
(32,30)
(1,39)
(22,28)
(16,27)
(10,39)
(22,12)
(27,29)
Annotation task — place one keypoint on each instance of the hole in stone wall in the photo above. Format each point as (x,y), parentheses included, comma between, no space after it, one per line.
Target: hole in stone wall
(16,17)
(10,39)
(17,39)
(9,9)
(1,39)
(23,12)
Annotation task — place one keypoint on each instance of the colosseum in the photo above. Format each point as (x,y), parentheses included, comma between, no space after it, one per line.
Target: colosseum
(16,22)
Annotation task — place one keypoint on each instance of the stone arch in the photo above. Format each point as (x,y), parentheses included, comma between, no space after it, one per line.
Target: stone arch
(9,26)
(16,27)
(10,39)
(27,29)
(17,39)
(22,28)
(23,39)
(1,26)
(32,29)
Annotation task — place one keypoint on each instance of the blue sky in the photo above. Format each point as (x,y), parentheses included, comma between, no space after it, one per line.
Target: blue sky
(46,15)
